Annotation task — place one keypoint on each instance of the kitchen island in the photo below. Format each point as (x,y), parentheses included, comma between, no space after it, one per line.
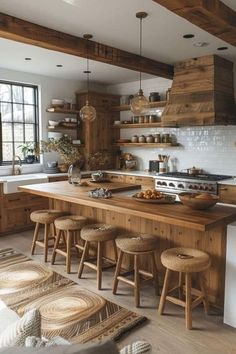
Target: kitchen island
(173,224)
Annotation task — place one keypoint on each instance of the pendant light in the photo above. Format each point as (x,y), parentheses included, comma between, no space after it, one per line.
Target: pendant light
(139,104)
(87,112)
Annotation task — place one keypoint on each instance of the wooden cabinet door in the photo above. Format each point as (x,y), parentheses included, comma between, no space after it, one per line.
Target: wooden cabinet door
(14,219)
(227,193)
(146,182)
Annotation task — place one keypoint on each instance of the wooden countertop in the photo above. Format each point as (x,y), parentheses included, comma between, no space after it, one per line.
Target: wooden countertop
(174,214)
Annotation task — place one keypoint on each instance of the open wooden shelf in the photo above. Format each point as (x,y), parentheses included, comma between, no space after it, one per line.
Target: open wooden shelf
(137,125)
(126,107)
(61,128)
(61,110)
(157,145)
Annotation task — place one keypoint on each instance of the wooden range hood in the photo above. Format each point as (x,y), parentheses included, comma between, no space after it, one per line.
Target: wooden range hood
(202,93)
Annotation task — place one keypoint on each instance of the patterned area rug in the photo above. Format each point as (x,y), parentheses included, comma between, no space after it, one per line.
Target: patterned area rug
(66,309)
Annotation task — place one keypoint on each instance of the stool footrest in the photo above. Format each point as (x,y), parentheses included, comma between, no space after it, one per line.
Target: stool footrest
(63,253)
(125,280)
(175,300)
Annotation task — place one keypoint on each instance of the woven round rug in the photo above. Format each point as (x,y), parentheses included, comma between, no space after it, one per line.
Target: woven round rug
(65,308)
(18,277)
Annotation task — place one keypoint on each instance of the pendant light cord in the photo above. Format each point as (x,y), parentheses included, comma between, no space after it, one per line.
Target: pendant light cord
(140,51)
(87,71)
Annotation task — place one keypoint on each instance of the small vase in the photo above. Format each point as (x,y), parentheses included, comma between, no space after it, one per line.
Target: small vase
(74,175)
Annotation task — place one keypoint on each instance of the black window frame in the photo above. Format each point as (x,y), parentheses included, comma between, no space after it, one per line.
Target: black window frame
(36,115)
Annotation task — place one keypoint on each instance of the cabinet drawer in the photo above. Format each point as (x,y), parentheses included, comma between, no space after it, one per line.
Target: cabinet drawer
(14,200)
(58,179)
(116,178)
(130,179)
(227,193)
(35,200)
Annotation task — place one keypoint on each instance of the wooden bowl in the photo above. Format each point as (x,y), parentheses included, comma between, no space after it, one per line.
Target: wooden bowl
(199,201)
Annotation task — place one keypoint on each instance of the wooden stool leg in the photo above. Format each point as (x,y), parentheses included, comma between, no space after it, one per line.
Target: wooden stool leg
(46,235)
(155,273)
(75,241)
(188,306)
(164,292)
(68,250)
(136,281)
(181,279)
(203,290)
(83,258)
(56,245)
(115,250)
(117,272)
(35,237)
(99,265)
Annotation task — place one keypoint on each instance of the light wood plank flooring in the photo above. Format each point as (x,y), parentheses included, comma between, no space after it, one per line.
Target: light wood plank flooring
(167,333)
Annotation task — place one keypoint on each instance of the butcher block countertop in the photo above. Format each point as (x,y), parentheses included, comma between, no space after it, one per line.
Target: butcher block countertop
(173,214)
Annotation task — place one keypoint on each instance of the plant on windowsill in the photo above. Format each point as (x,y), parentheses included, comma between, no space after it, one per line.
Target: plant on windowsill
(69,154)
(29,150)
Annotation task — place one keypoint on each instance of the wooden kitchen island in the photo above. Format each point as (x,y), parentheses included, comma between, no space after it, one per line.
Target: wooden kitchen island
(173,224)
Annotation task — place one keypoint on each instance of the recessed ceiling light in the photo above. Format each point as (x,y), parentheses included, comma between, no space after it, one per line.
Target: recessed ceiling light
(188,35)
(222,48)
(28,58)
(200,44)
(59,65)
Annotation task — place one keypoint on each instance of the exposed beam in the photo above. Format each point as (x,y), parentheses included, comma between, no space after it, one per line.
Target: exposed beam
(212,16)
(26,32)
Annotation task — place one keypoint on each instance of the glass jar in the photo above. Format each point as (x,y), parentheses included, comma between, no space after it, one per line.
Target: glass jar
(154,96)
(157,138)
(150,139)
(74,175)
(165,138)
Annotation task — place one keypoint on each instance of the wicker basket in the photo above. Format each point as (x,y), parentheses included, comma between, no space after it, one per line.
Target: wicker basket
(190,200)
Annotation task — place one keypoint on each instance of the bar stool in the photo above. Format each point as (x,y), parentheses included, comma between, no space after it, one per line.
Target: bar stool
(47,218)
(98,233)
(69,228)
(185,261)
(136,245)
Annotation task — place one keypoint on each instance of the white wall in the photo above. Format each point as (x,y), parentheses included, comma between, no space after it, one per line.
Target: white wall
(49,88)
(211,148)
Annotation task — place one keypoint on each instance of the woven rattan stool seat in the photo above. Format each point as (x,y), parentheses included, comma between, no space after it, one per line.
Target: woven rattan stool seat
(137,242)
(46,216)
(70,222)
(186,260)
(98,232)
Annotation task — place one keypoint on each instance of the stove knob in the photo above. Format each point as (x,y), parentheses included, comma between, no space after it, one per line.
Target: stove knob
(206,188)
(201,188)
(164,183)
(211,189)
(190,186)
(171,185)
(180,185)
(195,187)
(158,182)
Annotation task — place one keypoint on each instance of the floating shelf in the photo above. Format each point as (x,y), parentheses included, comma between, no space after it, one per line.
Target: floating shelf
(126,107)
(61,128)
(137,125)
(157,145)
(61,110)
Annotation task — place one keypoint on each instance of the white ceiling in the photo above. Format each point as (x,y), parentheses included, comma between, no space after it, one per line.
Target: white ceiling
(111,22)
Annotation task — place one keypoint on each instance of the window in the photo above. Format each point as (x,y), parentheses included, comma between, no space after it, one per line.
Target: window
(18,119)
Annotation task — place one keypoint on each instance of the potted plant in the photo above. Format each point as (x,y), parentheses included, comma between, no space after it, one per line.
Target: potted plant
(69,154)
(29,152)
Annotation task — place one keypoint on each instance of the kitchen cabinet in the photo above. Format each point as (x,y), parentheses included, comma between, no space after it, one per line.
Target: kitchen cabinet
(227,193)
(98,135)
(15,208)
(146,182)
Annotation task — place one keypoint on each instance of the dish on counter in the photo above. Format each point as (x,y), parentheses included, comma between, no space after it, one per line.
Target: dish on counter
(155,197)
(199,201)
(53,123)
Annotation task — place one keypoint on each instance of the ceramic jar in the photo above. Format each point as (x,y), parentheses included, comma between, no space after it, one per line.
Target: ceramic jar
(150,139)
(134,139)
(142,139)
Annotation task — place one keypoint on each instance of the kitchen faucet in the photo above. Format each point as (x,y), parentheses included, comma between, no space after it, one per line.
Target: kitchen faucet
(16,169)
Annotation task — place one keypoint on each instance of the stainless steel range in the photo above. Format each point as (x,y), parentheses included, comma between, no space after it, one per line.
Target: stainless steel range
(177,182)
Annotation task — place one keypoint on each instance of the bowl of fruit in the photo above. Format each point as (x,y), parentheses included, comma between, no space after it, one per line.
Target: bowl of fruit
(199,201)
(154,196)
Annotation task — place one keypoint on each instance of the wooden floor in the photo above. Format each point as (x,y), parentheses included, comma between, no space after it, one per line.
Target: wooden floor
(167,333)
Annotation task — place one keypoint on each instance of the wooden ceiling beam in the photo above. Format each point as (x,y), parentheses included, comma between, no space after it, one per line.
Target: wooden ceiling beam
(212,16)
(26,32)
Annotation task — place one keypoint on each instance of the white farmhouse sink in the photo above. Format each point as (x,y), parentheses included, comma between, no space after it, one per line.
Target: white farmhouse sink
(11,183)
